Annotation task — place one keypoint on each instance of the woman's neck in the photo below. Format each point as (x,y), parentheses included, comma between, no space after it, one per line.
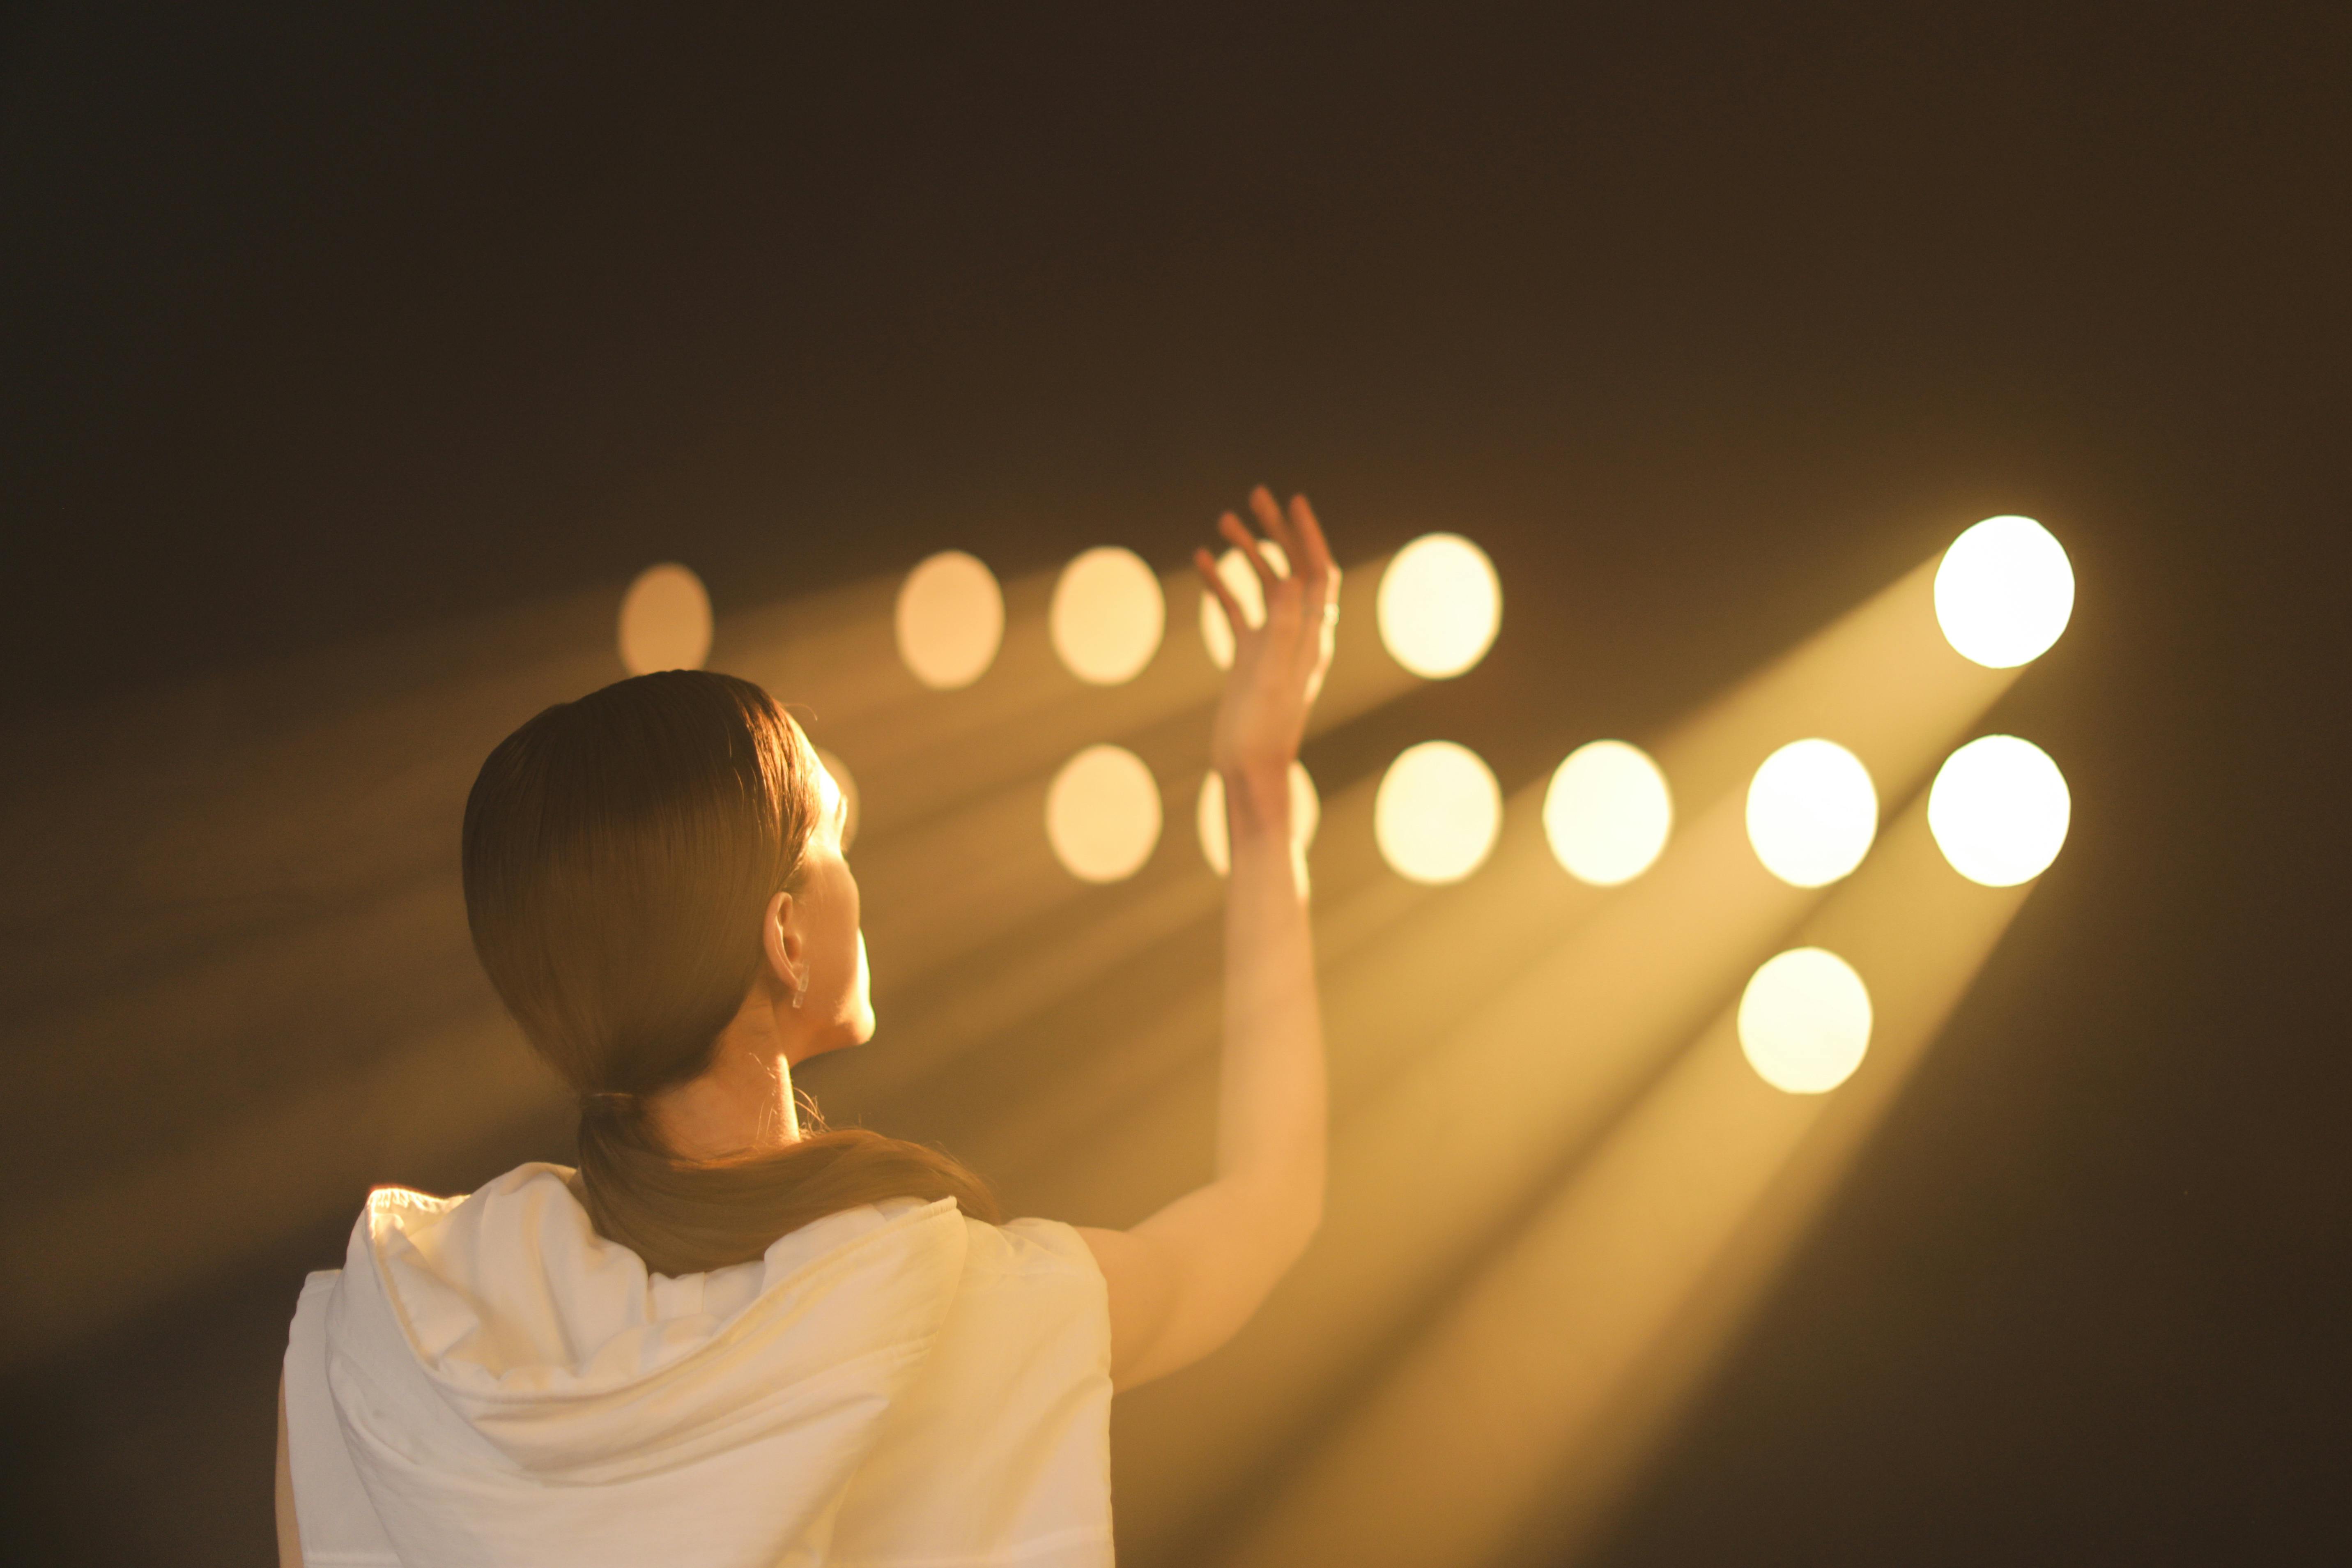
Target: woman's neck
(740,1104)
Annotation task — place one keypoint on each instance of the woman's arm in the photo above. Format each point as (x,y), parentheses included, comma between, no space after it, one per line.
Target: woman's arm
(1182,1281)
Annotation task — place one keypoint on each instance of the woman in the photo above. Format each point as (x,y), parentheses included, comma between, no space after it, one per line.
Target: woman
(725,1338)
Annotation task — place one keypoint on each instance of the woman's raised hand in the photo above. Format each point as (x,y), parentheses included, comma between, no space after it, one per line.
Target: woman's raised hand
(1182,1281)
(1279,666)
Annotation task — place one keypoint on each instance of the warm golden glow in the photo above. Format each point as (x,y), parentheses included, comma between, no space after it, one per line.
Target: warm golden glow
(2004,592)
(1998,810)
(1107,615)
(665,620)
(1655,1192)
(1102,814)
(1437,812)
(1608,813)
(844,789)
(949,620)
(1440,606)
(1811,813)
(1305,816)
(1234,568)
(1804,1021)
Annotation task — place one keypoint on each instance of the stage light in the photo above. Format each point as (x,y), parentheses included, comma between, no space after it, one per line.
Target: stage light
(839,773)
(2004,592)
(1107,615)
(1811,813)
(1804,1021)
(1606,812)
(665,621)
(1102,814)
(1440,606)
(951,619)
(1305,816)
(1239,576)
(1998,810)
(1437,812)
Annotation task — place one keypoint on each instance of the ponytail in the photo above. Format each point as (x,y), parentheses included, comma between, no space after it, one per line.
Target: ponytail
(619,853)
(683,1217)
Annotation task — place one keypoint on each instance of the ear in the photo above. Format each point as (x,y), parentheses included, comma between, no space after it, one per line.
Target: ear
(780,940)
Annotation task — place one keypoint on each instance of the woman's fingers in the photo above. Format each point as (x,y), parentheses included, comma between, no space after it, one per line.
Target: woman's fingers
(1270,519)
(1245,541)
(1313,554)
(1302,597)
(1206,566)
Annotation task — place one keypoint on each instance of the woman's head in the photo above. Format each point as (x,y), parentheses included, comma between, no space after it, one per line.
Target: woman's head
(646,868)
(642,863)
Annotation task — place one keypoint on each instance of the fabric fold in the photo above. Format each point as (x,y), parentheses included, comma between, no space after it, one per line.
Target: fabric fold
(894,1383)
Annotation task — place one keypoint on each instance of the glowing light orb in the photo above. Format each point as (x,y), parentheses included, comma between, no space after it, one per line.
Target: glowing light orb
(846,788)
(1811,813)
(1998,810)
(1606,812)
(1804,1021)
(665,620)
(1107,615)
(2004,592)
(1437,812)
(1102,814)
(1234,568)
(949,620)
(1306,816)
(1440,606)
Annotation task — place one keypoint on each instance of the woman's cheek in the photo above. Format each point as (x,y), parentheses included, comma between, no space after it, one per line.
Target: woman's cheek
(862,1004)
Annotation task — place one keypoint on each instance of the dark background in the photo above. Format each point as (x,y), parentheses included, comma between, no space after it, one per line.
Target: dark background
(316,324)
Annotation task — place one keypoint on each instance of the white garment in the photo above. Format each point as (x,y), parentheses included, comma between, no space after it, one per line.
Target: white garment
(487,1381)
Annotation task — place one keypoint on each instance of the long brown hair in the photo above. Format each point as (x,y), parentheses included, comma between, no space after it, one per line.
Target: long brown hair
(620,852)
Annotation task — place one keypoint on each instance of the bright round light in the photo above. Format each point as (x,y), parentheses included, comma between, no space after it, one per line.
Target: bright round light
(665,621)
(2004,592)
(1811,813)
(1440,606)
(1102,814)
(1437,812)
(838,772)
(1606,812)
(1804,1021)
(1305,816)
(951,619)
(1239,576)
(1107,615)
(1998,810)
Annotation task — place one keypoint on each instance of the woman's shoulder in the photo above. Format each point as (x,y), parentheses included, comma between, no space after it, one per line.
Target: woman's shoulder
(1040,1249)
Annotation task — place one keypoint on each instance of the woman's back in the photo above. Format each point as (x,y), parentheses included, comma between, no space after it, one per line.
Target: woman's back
(894,1383)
